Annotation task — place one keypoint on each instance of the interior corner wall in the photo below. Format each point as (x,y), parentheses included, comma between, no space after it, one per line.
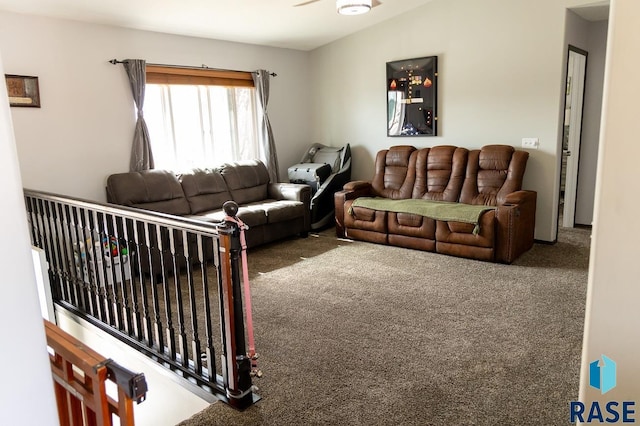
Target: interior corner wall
(83,131)
(612,314)
(500,79)
(597,48)
(26,388)
(592,38)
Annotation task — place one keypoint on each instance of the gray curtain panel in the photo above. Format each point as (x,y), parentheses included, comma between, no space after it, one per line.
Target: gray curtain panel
(141,156)
(261,81)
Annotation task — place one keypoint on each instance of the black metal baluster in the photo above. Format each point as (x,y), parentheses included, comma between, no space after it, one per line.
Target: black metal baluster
(49,229)
(120,300)
(182,336)
(146,315)
(95,248)
(39,225)
(157,317)
(139,331)
(206,304)
(55,262)
(67,254)
(49,243)
(195,341)
(109,260)
(105,266)
(170,330)
(82,284)
(221,304)
(90,279)
(59,263)
(33,227)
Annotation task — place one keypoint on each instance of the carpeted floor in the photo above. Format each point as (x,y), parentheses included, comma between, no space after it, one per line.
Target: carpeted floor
(356,333)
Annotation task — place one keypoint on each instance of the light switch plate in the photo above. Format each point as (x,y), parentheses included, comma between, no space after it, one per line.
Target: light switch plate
(531,143)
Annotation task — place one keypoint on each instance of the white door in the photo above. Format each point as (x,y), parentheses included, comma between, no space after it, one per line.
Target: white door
(576,68)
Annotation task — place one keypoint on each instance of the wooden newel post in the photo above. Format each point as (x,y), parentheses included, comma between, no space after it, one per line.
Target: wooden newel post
(236,364)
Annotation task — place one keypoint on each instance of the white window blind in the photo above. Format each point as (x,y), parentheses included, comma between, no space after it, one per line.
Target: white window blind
(200,126)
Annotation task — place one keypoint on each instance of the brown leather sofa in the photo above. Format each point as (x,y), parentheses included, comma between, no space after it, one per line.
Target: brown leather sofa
(491,176)
(272,211)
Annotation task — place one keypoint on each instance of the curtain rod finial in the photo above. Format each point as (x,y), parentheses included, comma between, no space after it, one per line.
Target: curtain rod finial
(113,61)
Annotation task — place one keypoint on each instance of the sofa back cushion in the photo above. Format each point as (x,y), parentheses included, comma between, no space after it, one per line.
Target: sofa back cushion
(493,172)
(157,190)
(247,181)
(440,172)
(395,172)
(205,190)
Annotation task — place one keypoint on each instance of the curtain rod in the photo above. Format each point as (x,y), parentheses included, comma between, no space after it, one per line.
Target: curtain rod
(203,67)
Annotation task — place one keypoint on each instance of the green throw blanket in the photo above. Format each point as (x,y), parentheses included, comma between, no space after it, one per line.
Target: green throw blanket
(438,210)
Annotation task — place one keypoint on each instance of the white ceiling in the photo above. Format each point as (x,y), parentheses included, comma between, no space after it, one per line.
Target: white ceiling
(265,22)
(594,12)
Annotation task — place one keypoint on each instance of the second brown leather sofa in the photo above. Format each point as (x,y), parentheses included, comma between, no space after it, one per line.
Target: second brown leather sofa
(491,176)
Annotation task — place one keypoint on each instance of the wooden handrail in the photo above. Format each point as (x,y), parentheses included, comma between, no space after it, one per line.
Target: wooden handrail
(79,375)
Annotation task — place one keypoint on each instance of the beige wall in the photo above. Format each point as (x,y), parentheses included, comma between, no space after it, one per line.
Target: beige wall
(84,129)
(500,79)
(613,317)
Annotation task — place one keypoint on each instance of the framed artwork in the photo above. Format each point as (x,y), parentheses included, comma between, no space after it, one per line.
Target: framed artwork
(23,91)
(411,97)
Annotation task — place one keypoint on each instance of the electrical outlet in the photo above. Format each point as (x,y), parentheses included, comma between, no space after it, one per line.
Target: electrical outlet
(531,143)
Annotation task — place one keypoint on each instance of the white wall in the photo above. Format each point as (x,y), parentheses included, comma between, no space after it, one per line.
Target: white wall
(597,47)
(84,129)
(26,392)
(613,317)
(500,79)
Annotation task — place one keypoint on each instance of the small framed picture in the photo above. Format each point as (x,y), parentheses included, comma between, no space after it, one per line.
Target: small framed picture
(23,91)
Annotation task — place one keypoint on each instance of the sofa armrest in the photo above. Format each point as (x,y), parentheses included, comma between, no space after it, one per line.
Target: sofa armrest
(357,185)
(351,191)
(293,192)
(520,197)
(515,225)
(288,191)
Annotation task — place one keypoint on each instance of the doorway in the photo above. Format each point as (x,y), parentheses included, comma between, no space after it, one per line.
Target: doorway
(572,135)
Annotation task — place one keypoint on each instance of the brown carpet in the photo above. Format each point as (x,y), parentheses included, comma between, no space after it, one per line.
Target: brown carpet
(356,333)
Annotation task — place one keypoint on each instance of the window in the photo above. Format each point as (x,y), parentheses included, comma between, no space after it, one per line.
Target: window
(200,117)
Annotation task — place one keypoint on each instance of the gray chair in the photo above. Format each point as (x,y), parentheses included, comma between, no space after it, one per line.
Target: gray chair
(326,169)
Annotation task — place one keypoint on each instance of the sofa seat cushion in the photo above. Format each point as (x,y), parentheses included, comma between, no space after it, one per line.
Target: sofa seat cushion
(364,218)
(462,233)
(411,225)
(279,210)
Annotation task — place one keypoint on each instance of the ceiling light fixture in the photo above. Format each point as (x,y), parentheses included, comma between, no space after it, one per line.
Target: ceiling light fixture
(353,7)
